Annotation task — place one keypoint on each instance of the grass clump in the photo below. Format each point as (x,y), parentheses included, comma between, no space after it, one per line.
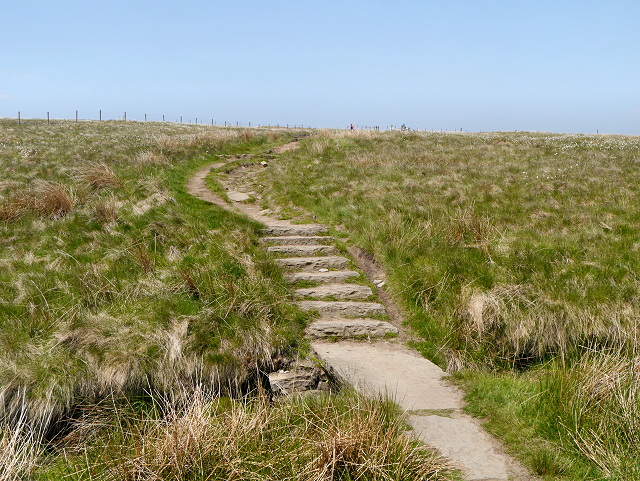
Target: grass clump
(21,448)
(100,176)
(44,199)
(204,437)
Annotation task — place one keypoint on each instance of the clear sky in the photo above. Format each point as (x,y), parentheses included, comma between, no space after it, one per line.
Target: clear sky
(559,66)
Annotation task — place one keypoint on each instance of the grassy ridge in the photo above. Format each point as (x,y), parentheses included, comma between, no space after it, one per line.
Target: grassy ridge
(509,251)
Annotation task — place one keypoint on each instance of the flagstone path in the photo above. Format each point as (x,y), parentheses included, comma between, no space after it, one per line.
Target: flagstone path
(361,338)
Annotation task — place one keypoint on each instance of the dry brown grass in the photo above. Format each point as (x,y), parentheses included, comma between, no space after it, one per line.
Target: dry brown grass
(141,254)
(105,211)
(522,324)
(597,404)
(206,136)
(45,199)
(100,176)
(319,440)
(148,157)
(20,449)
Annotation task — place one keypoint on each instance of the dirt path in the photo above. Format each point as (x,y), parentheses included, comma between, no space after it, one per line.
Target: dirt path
(382,363)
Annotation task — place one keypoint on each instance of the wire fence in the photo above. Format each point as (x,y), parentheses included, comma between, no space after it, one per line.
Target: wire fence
(20,119)
(214,123)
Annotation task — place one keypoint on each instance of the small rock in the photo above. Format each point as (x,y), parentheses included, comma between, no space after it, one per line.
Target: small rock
(323,270)
(238,196)
(380,284)
(377,281)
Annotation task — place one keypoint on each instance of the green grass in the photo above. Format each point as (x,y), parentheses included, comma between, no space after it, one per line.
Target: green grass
(132,283)
(493,236)
(508,251)
(128,307)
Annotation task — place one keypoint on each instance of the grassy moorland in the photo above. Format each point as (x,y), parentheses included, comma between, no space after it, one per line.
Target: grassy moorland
(114,279)
(133,314)
(517,258)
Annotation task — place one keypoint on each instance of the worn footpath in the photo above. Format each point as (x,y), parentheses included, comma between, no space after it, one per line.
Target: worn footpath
(359,333)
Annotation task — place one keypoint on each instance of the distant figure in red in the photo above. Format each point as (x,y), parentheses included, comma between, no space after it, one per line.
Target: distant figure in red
(351,126)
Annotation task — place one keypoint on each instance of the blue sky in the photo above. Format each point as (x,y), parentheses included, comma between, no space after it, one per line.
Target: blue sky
(559,66)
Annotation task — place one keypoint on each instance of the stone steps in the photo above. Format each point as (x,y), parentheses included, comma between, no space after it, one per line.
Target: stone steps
(313,263)
(296,240)
(302,250)
(385,367)
(320,277)
(344,328)
(339,291)
(344,308)
(344,317)
(293,230)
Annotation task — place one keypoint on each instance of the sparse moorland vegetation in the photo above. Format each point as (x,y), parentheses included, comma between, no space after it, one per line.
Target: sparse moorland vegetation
(516,256)
(127,307)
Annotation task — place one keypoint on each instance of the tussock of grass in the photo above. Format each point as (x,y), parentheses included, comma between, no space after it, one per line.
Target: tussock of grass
(147,157)
(596,404)
(44,199)
(20,450)
(100,176)
(205,437)
(106,211)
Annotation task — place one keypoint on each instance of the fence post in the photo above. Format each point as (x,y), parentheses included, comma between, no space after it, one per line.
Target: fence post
(47,118)
(145,117)
(181,119)
(125,116)
(163,117)
(18,117)
(196,120)
(76,116)
(100,115)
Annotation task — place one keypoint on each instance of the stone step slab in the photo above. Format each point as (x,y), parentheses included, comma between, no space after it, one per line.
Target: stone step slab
(296,240)
(344,308)
(469,448)
(294,230)
(414,382)
(302,250)
(350,328)
(238,196)
(313,263)
(320,277)
(339,291)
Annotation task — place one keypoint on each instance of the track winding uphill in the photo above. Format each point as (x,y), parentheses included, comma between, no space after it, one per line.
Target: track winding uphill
(359,332)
